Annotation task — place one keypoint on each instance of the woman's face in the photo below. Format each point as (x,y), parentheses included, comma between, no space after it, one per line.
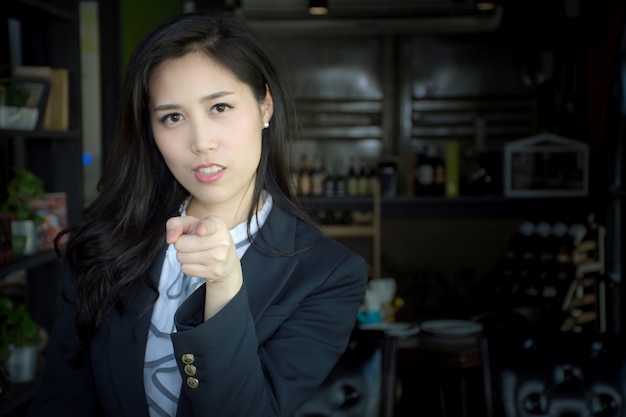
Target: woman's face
(207,125)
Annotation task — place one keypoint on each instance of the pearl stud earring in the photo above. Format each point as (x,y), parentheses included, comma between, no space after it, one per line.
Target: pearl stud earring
(266,125)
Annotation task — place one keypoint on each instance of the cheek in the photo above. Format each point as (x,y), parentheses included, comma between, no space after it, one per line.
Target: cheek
(249,137)
(253,150)
(165,139)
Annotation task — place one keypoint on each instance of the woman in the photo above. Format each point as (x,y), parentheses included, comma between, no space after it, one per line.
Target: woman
(200,287)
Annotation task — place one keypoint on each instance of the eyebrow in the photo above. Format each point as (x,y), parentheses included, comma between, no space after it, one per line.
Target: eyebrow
(208,97)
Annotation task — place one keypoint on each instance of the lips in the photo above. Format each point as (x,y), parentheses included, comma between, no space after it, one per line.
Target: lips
(209,173)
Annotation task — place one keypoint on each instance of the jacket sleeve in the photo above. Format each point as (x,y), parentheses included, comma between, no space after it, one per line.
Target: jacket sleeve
(237,375)
(67,388)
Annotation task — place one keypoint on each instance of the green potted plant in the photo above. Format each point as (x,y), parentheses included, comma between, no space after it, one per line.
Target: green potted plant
(21,191)
(19,107)
(18,341)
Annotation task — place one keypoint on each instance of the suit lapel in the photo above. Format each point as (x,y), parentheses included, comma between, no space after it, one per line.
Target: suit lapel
(127,346)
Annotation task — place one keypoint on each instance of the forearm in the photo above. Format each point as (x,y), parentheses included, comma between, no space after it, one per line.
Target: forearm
(228,380)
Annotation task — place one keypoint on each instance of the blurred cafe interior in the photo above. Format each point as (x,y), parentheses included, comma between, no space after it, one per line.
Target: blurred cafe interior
(471,151)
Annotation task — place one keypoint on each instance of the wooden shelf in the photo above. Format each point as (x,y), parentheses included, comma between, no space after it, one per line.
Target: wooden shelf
(349,231)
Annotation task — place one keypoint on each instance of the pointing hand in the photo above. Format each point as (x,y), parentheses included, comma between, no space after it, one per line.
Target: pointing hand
(205,248)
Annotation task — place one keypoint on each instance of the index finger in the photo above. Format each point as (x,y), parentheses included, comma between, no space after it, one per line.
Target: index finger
(177,226)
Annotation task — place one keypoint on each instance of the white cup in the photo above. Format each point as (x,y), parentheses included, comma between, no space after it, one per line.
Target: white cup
(385,288)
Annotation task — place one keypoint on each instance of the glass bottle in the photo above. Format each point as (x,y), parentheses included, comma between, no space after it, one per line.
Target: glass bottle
(304,185)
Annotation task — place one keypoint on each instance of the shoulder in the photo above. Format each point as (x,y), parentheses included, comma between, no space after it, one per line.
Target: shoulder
(307,243)
(309,237)
(304,235)
(316,252)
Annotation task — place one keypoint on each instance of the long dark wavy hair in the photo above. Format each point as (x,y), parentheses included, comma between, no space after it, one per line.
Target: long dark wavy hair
(115,241)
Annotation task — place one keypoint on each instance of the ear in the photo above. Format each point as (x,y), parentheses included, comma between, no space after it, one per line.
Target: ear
(267,105)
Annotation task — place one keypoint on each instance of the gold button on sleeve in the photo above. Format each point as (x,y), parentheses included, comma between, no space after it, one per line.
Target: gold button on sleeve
(188,358)
(192,382)
(190,370)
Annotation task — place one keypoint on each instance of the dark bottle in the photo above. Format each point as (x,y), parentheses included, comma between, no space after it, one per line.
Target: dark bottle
(372,180)
(388,178)
(318,175)
(304,177)
(340,183)
(424,171)
(363,180)
(352,185)
(438,186)
(329,182)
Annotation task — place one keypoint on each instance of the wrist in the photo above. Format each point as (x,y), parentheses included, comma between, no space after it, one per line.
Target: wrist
(219,293)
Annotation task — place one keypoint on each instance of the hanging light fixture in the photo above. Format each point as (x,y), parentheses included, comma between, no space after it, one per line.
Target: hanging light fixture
(485,5)
(318,7)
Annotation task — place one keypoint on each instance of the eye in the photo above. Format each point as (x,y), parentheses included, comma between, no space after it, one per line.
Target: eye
(221,107)
(172,118)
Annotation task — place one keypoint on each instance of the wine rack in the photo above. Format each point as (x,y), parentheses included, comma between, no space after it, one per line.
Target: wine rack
(585,300)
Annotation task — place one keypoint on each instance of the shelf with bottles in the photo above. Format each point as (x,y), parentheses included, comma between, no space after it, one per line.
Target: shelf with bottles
(451,168)
(344,203)
(470,186)
(334,178)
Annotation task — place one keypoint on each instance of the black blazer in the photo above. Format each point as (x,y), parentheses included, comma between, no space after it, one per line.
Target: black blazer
(263,354)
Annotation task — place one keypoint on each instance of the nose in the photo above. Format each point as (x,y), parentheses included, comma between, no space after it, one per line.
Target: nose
(203,136)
